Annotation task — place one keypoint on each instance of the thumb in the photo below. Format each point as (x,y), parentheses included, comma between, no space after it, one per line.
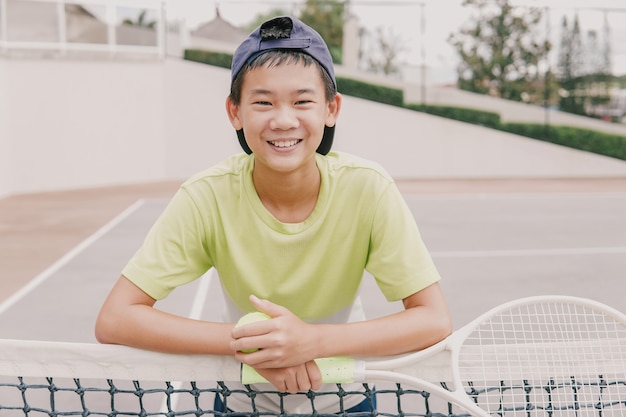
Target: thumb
(268,307)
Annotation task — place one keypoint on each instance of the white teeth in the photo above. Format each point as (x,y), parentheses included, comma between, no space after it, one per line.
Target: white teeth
(284,144)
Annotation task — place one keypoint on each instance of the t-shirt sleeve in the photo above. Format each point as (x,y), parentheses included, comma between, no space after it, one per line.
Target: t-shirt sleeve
(174,251)
(398,258)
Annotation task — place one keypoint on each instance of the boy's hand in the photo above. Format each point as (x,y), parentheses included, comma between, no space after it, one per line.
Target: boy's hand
(287,347)
(300,378)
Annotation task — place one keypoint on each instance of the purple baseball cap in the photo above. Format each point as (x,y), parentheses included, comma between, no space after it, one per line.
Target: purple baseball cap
(285,32)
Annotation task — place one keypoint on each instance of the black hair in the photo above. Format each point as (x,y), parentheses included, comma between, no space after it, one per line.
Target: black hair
(276,57)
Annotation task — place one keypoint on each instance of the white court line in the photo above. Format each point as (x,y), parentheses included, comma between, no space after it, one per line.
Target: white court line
(515,196)
(522,252)
(528,252)
(43,276)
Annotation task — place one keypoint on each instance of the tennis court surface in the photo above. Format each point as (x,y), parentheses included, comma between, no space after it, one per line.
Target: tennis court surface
(490,247)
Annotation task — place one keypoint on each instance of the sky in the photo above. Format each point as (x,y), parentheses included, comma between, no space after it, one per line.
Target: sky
(441,17)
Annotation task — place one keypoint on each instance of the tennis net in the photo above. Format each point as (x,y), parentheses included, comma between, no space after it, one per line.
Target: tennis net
(80,379)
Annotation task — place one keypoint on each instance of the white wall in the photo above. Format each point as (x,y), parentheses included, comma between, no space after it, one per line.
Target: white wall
(417,145)
(83,123)
(197,131)
(67,124)
(6,166)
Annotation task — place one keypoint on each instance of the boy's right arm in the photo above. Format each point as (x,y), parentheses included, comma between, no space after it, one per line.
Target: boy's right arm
(127,317)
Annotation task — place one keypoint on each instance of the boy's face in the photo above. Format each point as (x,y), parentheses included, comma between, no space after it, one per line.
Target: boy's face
(283,111)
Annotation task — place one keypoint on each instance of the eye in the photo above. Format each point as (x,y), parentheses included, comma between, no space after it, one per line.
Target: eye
(262,103)
(300,102)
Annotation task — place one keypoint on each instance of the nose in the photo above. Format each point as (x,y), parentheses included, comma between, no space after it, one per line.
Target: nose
(284,118)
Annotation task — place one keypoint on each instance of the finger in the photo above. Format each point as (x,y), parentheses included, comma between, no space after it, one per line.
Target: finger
(249,326)
(268,307)
(251,359)
(303,380)
(253,330)
(276,377)
(292,384)
(247,345)
(282,386)
(314,374)
(283,379)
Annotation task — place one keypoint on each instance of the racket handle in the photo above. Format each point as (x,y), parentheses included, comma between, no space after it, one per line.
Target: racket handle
(336,370)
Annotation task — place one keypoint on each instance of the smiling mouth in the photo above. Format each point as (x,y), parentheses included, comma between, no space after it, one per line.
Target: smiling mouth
(284,143)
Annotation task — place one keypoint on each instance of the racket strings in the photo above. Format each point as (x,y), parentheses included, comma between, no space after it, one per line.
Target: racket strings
(554,357)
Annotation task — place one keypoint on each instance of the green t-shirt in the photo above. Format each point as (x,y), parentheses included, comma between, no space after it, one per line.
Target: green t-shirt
(313,268)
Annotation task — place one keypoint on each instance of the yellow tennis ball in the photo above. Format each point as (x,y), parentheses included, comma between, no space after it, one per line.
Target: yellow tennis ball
(251,318)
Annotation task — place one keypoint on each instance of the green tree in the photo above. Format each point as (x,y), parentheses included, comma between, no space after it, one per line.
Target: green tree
(564,64)
(577,50)
(327,17)
(593,52)
(260,18)
(141,21)
(570,67)
(500,52)
(607,61)
(382,56)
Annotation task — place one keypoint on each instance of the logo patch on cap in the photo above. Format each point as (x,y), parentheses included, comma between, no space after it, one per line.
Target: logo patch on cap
(279,28)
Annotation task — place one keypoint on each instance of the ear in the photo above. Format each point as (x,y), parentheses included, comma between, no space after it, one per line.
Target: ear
(232,110)
(334,107)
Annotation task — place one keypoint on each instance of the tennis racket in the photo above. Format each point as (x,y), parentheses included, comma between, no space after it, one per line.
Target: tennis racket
(562,351)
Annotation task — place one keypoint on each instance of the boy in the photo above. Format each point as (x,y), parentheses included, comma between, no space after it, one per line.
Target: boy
(290,227)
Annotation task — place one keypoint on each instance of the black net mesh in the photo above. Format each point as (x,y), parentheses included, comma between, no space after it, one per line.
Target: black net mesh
(79,397)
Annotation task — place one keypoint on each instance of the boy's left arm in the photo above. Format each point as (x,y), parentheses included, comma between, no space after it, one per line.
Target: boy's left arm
(288,341)
(424,321)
